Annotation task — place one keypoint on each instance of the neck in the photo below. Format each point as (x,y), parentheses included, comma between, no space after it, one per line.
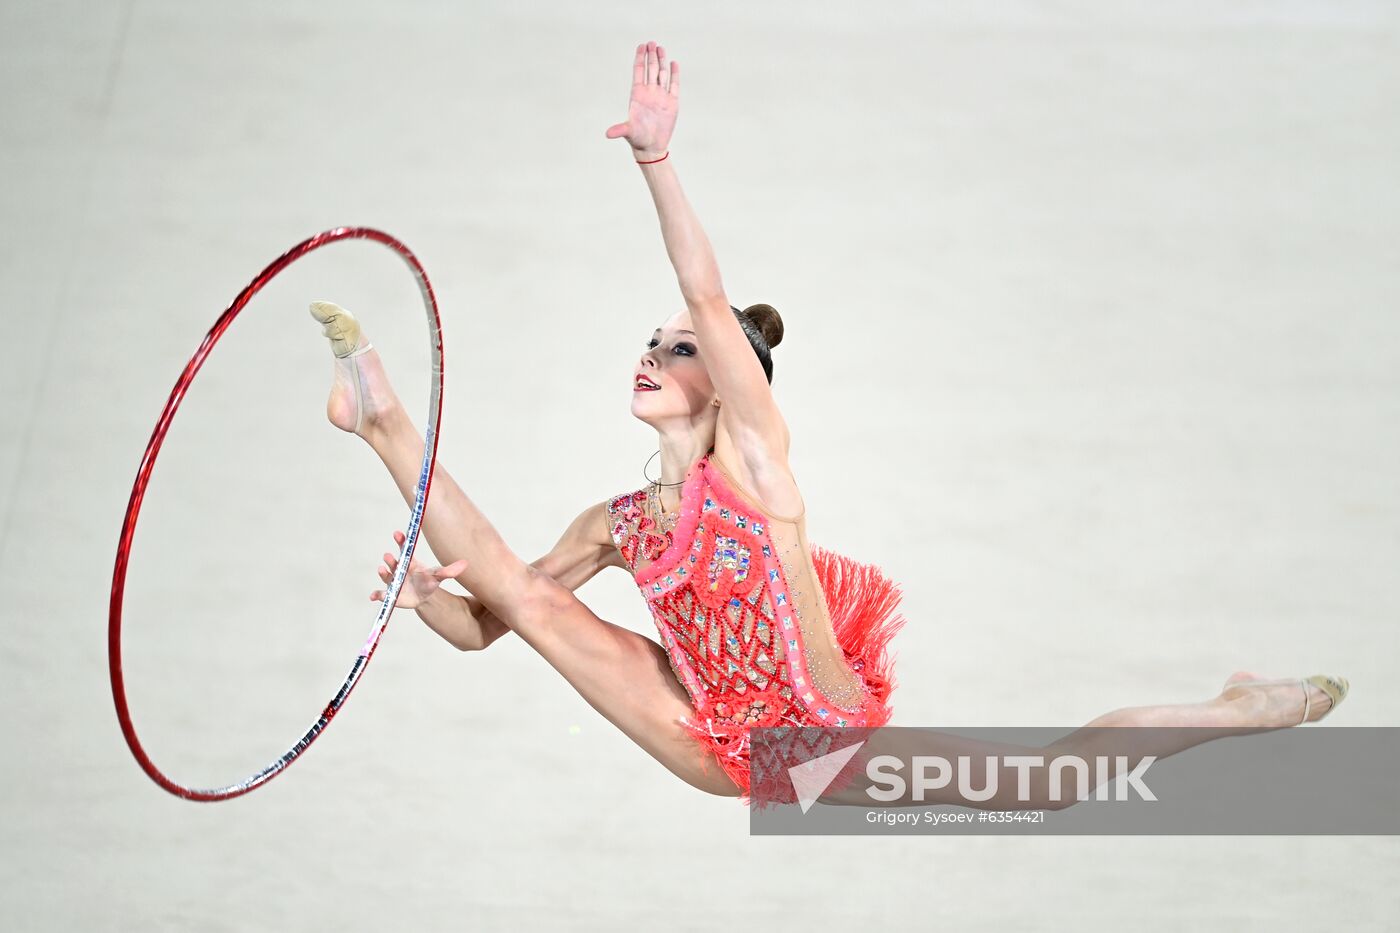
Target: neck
(679,452)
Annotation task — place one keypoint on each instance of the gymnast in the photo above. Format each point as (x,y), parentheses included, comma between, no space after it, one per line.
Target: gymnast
(757,627)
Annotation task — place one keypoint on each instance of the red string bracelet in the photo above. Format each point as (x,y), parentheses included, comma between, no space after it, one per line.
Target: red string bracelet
(654,161)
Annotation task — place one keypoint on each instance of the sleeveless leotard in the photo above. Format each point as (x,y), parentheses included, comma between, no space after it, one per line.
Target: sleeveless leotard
(761,628)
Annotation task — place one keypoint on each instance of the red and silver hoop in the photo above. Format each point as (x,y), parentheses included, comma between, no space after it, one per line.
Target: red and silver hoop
(138,492)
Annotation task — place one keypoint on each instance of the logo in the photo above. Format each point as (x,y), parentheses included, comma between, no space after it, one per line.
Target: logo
(811,778)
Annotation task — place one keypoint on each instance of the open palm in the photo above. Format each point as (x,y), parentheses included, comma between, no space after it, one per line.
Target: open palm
(420,582)
(651,112)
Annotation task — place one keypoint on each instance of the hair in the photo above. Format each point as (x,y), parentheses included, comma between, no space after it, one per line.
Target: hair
(764,327)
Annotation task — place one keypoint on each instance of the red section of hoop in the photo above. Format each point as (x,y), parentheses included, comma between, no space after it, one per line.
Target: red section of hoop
(148,462)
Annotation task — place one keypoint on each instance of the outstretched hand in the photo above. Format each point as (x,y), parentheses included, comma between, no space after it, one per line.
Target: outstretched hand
(651,112)
(420,582)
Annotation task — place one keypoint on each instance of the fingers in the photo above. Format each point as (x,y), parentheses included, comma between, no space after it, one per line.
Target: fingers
(391,562)
(401,541)
(650,67)
(423,583)
(391,565)
(451,570)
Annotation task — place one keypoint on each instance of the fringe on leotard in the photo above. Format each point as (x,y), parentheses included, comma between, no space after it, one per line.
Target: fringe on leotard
(862,602)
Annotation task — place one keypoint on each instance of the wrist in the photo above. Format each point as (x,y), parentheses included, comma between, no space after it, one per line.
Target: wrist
(431,602)
(650,155)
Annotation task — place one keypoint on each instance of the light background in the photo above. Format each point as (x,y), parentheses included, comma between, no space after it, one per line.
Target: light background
(1092,343)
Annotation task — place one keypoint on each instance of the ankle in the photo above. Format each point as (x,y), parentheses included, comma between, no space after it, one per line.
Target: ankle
(1248,710)
(388,427)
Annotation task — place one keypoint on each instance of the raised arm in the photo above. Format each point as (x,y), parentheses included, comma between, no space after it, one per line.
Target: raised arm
(752,415)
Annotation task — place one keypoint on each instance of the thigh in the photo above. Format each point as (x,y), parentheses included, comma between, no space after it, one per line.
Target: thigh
(625,676)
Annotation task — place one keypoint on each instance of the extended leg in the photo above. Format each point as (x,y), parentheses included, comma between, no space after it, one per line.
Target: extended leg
(624,676)
(452,524)
(1158,731)
(362,401)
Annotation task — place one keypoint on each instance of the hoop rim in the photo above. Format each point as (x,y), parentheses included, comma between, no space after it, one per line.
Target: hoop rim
(143,475)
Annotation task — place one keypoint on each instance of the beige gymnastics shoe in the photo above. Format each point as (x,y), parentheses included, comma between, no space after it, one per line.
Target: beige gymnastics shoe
(341,327)
(347,343)
(1335,687)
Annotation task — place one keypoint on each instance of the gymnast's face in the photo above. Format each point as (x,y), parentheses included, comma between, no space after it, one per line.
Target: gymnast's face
(671,360)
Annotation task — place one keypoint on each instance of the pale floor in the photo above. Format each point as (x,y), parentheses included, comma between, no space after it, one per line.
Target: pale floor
(1092,344)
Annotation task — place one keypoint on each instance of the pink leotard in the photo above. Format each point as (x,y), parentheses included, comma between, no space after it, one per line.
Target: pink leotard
(761,628)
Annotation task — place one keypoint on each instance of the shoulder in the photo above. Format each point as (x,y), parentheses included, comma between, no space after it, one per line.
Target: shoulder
(593,540)
(624,507)
(614,520)
(597,526)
